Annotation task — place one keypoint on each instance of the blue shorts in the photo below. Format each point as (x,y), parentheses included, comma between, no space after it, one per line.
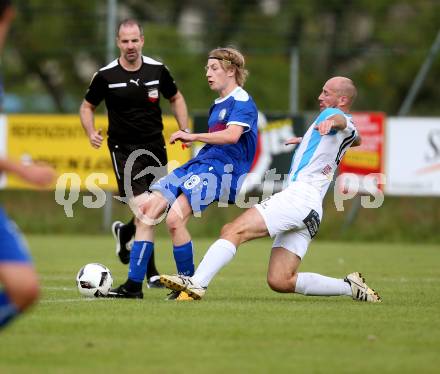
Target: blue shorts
(12,245)
(201,183)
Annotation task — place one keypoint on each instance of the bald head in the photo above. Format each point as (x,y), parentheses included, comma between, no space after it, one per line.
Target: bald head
(338,92)
(343,87)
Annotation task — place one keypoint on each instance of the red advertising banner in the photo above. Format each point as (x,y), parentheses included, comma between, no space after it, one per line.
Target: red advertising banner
(365,161)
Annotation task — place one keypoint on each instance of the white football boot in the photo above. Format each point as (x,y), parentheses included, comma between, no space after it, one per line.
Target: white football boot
(360,290)
(183,283)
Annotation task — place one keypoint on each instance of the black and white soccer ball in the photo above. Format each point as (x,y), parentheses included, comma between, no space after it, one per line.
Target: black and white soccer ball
(94,280)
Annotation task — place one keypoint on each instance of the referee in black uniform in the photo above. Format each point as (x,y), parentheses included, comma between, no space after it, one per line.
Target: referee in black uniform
(132,86)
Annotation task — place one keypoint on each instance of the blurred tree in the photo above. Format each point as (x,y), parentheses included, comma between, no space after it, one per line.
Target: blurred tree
(50,40)
(381,44)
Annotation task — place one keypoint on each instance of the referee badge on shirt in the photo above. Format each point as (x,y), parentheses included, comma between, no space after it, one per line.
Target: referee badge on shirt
(153,95)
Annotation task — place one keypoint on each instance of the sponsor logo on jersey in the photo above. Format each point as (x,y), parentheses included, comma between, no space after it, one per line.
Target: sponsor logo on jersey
(312,222)
(327,171)
(136,82)
(153,95)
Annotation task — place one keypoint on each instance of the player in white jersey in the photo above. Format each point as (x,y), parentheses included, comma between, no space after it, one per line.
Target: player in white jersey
(293,215)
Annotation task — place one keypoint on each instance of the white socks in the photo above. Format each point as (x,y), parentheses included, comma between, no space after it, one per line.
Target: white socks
(222,251)
(313,284)
(218,255)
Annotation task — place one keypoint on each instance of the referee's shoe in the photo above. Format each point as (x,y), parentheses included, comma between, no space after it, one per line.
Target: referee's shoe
(128,290)
(121,242)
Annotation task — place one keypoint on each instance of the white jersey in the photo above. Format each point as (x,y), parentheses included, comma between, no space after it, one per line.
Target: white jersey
(317,156)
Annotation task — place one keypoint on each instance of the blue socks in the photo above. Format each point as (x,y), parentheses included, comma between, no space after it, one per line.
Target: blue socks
(141,252)
(183,255)
(139,255)
(8,310)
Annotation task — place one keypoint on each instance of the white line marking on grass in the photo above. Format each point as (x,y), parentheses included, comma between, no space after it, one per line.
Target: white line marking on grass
(56,277)
(68,300)
(59,288)
(405,280)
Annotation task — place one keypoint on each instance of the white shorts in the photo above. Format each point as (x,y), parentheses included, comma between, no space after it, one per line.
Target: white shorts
(293,216)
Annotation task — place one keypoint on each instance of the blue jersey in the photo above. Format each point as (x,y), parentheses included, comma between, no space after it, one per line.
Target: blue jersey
(218,171)
(238,108)
(12,248)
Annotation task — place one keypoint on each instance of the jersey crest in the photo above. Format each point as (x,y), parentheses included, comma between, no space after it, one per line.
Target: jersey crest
(153,95)
(222,114)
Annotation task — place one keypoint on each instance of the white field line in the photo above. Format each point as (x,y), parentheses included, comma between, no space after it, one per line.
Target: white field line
(70,300)
(405,280)
(70,289)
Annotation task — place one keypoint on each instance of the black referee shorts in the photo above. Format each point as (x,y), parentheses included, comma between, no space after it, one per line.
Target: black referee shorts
(150,158)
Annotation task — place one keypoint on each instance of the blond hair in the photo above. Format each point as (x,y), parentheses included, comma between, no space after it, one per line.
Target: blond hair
(231,57)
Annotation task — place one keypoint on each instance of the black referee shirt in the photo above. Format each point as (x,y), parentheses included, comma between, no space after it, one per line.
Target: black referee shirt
(132,99)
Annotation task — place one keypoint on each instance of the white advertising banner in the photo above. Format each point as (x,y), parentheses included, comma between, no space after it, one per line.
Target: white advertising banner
(412,156)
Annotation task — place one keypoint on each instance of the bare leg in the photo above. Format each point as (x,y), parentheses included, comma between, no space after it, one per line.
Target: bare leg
(283,277)
(149,210)
(249,225)
(282,272)
(21,283)
(177,219)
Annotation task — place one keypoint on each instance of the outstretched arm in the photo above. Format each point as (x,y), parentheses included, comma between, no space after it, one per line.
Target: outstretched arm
(336,122)
(230,135)
(294,140)
(37,174)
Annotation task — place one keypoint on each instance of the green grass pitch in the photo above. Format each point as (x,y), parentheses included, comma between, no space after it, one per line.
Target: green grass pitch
(241,326)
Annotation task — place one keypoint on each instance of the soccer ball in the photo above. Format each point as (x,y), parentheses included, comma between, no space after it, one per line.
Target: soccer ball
(94,280)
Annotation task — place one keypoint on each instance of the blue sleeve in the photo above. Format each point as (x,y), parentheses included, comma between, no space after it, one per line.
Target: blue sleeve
(244,114)
(328,112)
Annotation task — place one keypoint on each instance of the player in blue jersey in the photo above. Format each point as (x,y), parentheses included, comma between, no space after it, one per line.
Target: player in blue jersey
(215,174)
(17,274)
(293,215)
(19,283)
